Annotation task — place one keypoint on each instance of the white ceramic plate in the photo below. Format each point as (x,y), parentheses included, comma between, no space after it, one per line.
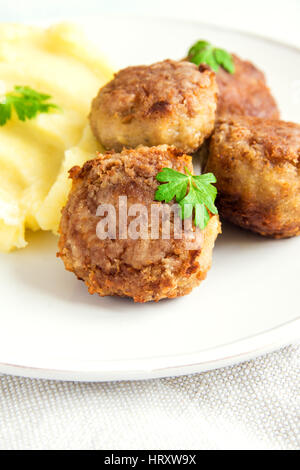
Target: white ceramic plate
(52,328)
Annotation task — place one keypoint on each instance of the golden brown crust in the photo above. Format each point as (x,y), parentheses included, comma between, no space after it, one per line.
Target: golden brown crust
(161,87)
(257,166)
(144,269)
(245,92)
(164,103)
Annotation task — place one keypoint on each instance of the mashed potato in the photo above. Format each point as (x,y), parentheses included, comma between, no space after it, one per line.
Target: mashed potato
(35,155)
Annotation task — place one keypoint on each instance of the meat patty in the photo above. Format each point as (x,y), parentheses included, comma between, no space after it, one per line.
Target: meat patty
(168,102)
(245,92)
(257,166)
(145,268)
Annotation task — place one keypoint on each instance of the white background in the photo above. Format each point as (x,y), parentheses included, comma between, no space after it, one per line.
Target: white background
(273,18)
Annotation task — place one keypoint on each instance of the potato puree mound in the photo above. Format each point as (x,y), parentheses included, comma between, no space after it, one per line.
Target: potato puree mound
(35,155)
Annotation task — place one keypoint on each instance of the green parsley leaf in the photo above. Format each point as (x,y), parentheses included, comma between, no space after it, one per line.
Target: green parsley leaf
(202,52)
(197,47)
(26,102)
(177,187)
(194,194)
(224,59)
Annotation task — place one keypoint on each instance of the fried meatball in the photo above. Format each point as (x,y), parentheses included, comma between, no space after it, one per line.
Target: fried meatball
(142,268)
(168,102)
(245,92)
(257,166)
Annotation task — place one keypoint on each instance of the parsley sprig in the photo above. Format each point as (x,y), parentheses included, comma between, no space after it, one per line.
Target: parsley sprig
(194,194)
(26,102)
(203,52)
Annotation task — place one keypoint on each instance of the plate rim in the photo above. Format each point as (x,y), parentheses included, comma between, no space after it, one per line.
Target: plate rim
(170,365)
(111,370)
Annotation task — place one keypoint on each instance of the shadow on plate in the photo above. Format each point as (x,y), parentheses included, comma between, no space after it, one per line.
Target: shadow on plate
(39,268)
(233,235)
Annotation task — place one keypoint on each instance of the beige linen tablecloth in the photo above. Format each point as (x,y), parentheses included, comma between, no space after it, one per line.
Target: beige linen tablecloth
(253,405)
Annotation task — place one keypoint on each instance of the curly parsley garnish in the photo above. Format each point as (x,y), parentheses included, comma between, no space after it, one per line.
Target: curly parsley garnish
(26,102)
(194,194)
(203,52)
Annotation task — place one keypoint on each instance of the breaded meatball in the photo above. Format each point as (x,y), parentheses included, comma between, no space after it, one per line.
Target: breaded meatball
(168,102)
(257,166)
(143,268)
(245,92)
